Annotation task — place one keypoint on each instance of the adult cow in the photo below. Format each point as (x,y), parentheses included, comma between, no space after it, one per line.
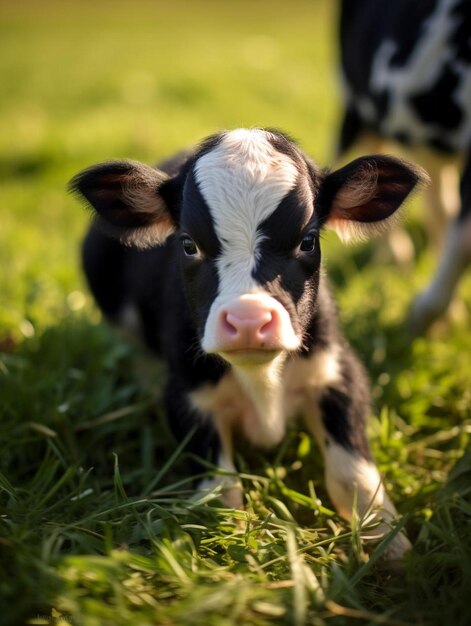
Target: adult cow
(407,73)
(217,257)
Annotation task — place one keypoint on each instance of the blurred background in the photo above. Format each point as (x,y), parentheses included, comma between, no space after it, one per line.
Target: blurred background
(88,81)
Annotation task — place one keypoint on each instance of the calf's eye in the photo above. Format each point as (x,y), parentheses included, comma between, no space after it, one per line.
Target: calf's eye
(189,246)
(308,244)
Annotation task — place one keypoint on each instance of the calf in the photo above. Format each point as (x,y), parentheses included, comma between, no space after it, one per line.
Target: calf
(407,74)
(215,257)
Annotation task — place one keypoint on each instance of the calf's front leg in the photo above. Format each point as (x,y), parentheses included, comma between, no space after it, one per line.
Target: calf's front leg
(211,441)
(227,479)
(338,421)
(349,477)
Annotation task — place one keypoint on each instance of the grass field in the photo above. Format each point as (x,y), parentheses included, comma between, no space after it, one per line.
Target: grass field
(96,525)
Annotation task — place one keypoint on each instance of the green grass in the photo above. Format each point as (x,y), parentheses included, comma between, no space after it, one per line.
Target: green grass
(96,522)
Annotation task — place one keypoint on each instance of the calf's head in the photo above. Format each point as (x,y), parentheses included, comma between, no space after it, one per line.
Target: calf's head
(246,210)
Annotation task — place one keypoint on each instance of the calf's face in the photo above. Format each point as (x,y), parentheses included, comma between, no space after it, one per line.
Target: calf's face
(250,239)
(247,209)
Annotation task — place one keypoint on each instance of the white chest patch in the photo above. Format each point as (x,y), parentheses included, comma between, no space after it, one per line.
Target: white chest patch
(262,403)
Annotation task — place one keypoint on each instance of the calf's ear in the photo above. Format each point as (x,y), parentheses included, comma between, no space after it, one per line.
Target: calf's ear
(129,201)
(362,198)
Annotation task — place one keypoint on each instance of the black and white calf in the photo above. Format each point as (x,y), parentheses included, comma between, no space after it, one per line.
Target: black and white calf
(407,74)
(216,255)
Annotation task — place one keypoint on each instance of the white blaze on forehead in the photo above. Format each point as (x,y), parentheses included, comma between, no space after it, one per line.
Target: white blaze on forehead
(243,180)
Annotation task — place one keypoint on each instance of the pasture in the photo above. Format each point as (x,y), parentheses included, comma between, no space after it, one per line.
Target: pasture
(96,522)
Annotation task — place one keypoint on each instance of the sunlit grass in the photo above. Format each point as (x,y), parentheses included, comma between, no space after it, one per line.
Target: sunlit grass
(96,521)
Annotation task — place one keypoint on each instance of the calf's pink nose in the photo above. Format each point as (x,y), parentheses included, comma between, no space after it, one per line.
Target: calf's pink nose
(248,325)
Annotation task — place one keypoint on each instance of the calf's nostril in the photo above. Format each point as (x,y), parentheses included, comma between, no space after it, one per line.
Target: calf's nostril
(267,324)
(229,323)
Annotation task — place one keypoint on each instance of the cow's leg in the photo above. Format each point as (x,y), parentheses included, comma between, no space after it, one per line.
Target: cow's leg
(435,300)
(352,479)
(211,441)
(441,197)
(337,420)
(183,418)
(227,479)
(456,257)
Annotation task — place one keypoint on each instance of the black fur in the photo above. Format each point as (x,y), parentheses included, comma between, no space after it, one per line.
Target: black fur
(172,293)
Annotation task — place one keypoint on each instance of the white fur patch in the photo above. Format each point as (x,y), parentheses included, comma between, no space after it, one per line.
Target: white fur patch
(348,474)
(304,380)
(242,180)
(347,471)
(248,400)
(260,401)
